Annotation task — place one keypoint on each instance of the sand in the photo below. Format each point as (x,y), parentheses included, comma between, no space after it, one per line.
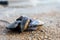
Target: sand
(49,31)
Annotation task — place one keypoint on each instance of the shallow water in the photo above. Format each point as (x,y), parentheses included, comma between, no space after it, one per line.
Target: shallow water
(31,7)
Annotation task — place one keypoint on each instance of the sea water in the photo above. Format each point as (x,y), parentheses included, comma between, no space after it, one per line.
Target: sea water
(29,7)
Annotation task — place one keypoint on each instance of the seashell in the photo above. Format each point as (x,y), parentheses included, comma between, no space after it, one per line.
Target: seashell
(13,25)
(36,22)
(23,23)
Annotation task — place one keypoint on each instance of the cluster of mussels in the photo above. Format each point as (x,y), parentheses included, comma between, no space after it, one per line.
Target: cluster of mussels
(23,23)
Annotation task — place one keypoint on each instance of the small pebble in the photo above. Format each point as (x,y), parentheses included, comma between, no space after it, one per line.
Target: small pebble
(41,30)
(46,37)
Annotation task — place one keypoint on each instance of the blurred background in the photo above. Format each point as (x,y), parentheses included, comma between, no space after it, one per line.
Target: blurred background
(22,7)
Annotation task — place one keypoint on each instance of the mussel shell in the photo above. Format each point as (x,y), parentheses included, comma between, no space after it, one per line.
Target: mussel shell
(36,22)
(13,25)
(24,24)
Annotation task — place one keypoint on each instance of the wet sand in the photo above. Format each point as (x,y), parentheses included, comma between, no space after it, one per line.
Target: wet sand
(49,31)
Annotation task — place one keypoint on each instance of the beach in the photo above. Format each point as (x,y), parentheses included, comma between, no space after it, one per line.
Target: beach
(48,13)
